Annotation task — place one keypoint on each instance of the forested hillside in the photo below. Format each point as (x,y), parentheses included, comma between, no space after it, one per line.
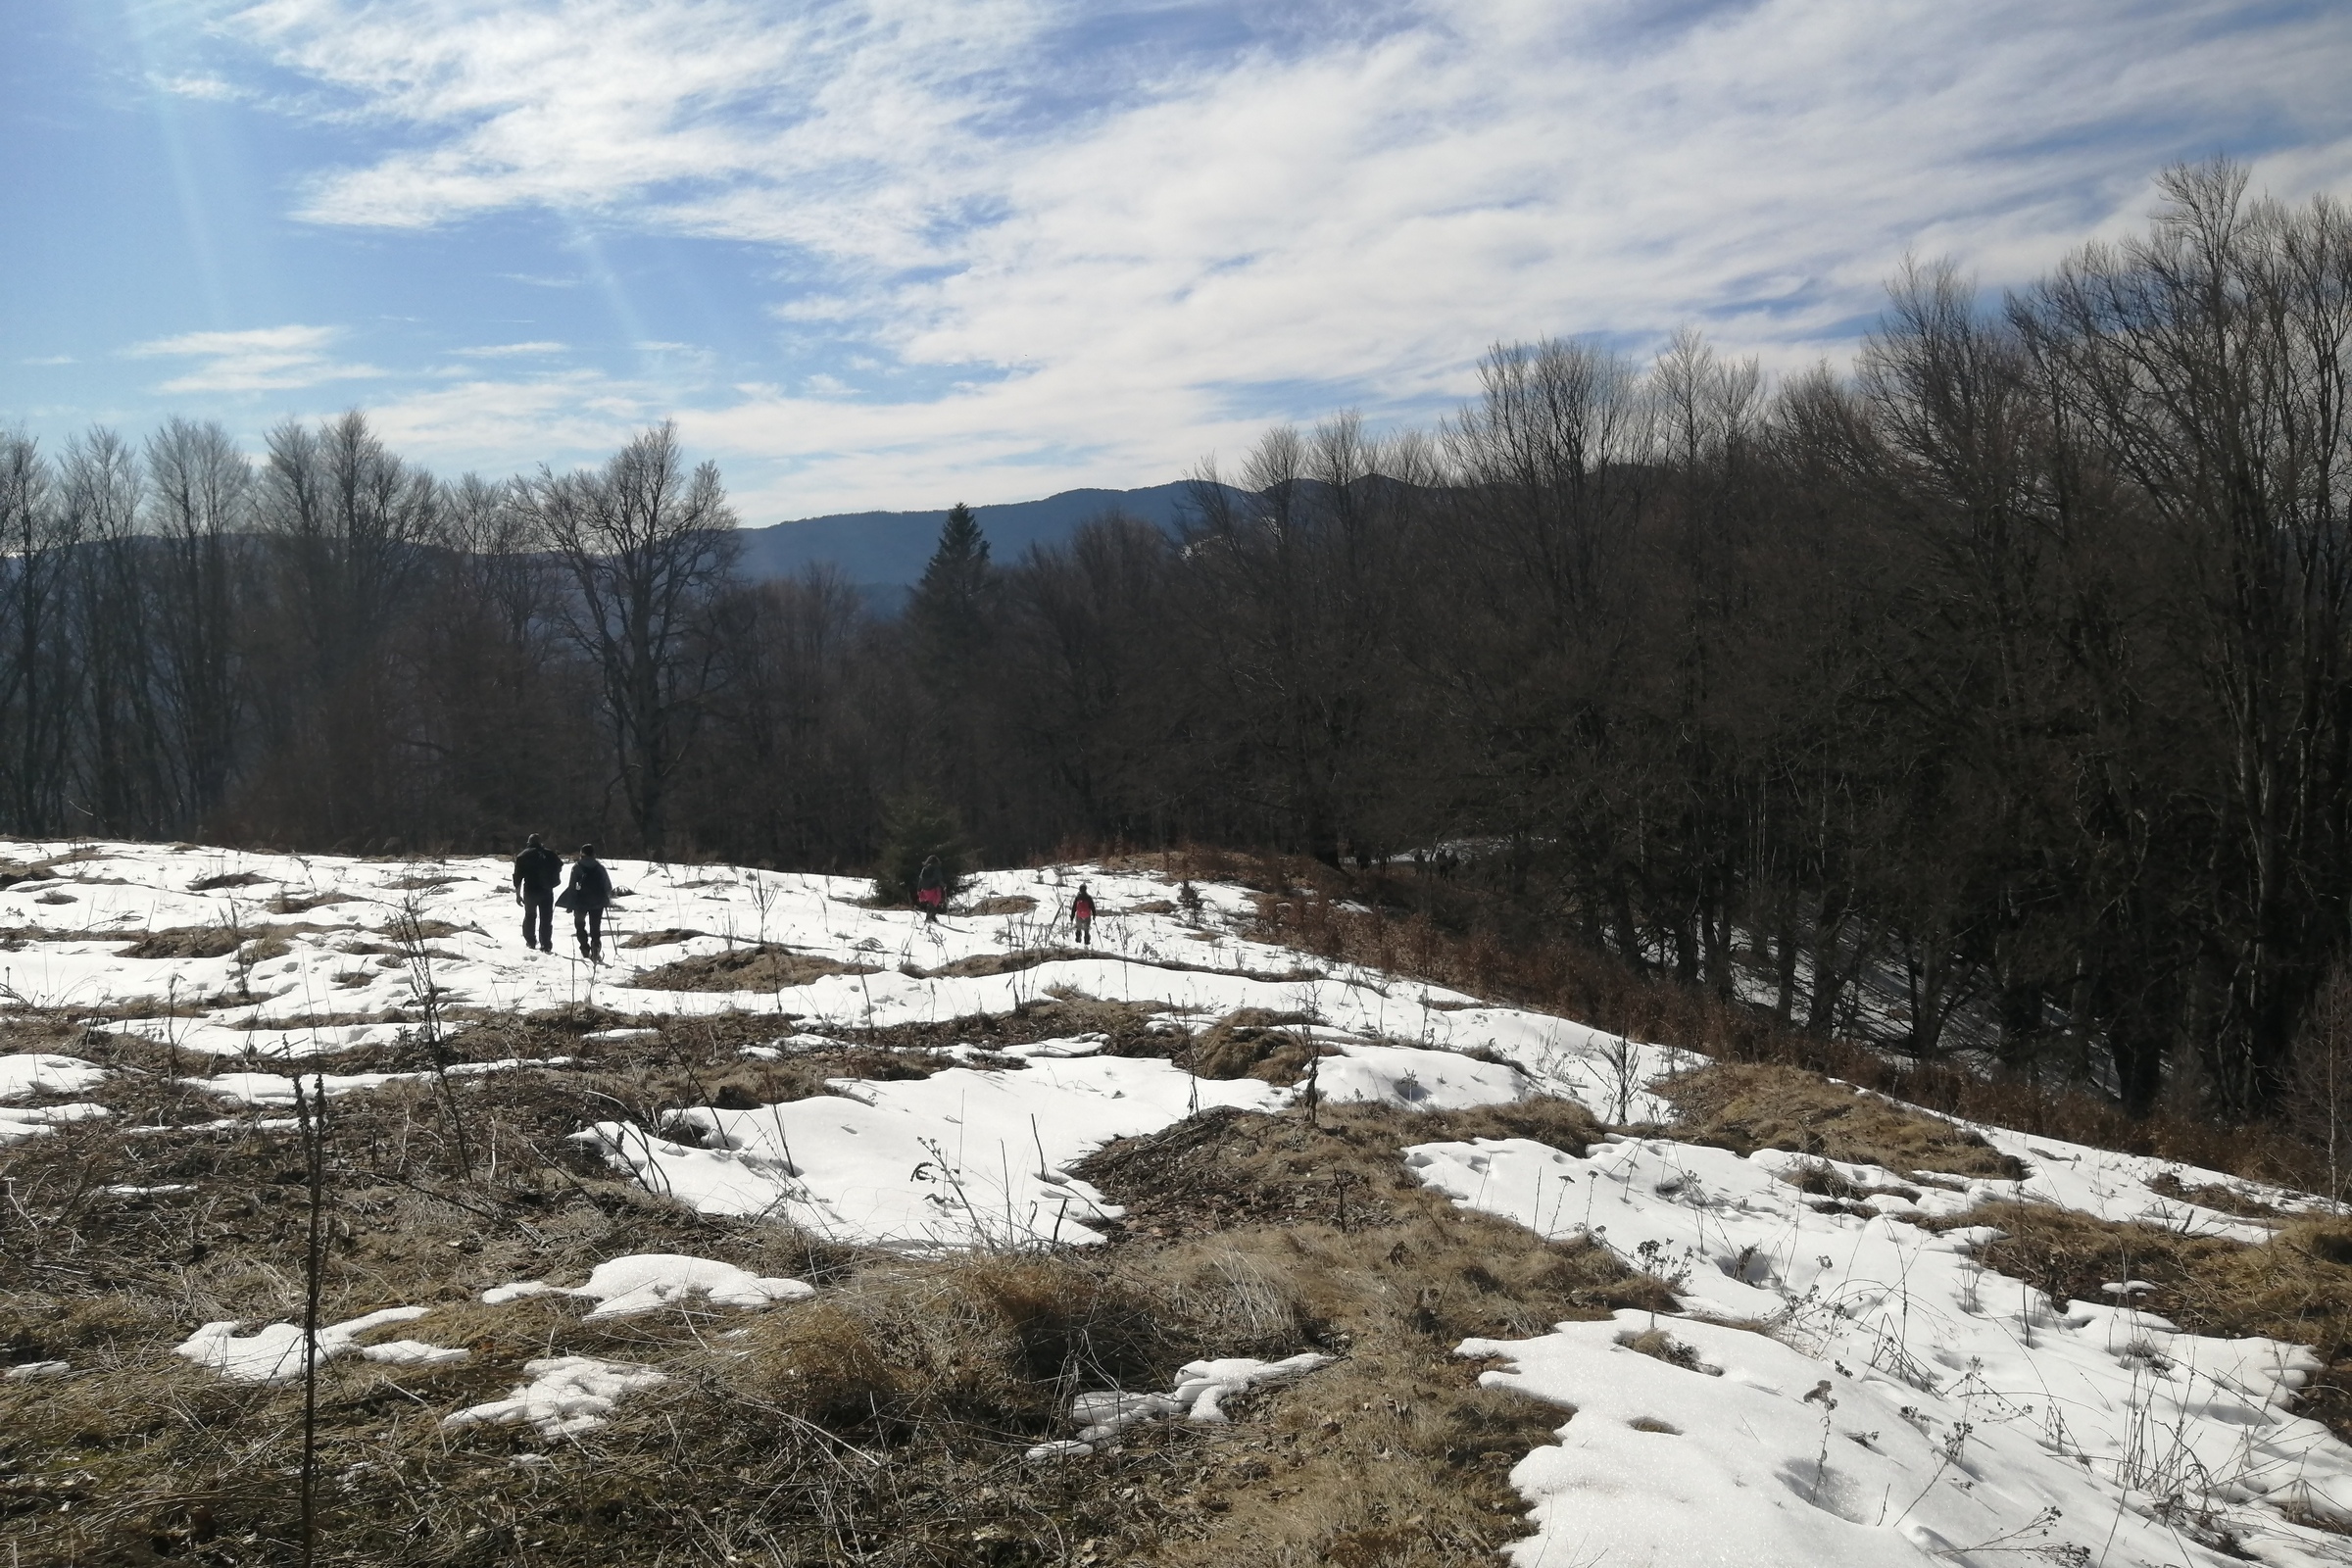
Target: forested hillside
(2011,660)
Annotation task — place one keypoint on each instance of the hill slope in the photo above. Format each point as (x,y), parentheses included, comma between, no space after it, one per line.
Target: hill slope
(888,548)
(804,1230)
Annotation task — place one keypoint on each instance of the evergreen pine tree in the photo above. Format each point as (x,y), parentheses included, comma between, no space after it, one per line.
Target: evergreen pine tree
(951,604)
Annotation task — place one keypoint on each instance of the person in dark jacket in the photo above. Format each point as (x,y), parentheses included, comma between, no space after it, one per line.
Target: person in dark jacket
(931,890)
(537,870)
(1082,916)
(587,893)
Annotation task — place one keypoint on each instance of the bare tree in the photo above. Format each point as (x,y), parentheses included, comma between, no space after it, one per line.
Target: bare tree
(647,546)
(199,509)
(37,676)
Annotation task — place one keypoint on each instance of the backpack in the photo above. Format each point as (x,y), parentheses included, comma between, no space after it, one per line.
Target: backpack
(1083,909)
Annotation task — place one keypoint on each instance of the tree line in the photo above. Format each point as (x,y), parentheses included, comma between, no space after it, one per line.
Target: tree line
(1996,689)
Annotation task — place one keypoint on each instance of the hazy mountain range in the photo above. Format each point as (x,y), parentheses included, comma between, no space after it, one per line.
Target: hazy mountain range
(885,551)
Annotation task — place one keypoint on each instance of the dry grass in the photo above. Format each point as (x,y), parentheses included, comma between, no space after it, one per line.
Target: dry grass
(188,942)
(1254,1043)
(987,963)
(881,1422)
(1744,1106)
(760,966)
(657,938)
(1395,1455)
(2297,1287)
(1004,904)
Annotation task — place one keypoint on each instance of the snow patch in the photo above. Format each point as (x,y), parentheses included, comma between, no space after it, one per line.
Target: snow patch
(647,1282)
(275,1354)
(566,1395)
(1202,1388)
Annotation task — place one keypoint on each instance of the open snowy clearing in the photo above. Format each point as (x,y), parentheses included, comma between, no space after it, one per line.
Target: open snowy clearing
(1841,1384)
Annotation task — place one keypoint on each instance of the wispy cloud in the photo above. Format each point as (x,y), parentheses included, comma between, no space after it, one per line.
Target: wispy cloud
(509,351)
(49,359)
(269,359)
(208,87)
(1099,257)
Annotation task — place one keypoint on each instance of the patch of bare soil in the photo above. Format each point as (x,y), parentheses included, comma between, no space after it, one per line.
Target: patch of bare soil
(1395,1455)
(1127,1027)
(764,966)
(985,963)
(230,879)
(1225,1168)
(2215,1196)
(1747,1106)
(1004,904)
(657,939)
(1254,1043)
(303,903)
(406,930)
(201,942)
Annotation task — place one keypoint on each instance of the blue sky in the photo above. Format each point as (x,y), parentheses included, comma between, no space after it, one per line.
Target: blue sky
(899,252)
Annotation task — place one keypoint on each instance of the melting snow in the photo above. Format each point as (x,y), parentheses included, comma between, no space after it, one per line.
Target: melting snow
(273,1353)
(1202,1388)
(1909,1405)
(568,1394)
(1956,1388)
(645,1282)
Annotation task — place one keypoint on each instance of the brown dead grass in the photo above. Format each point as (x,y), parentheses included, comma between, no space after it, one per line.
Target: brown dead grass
(657,939)
(1004,904)
(1744,1106)
(2296,1287)
(1254,1042)
(230,879)
(188,942)
(881,1422)
(2218,1196)
(1395,1455)
(987,963)
(766,966)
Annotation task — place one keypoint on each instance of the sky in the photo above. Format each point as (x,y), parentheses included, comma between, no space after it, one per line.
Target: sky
(900,252)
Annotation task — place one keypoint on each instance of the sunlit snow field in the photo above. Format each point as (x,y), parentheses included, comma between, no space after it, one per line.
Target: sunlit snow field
(1904,1404)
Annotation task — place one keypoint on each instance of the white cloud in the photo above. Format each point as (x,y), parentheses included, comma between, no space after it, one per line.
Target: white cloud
(509,351)
(1103,262)
(49,359)
(210,88)
(270,359)
(500,425)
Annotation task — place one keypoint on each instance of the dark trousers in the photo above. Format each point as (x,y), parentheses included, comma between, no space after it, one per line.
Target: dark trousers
(588,925)
(1085,929)
(539,918)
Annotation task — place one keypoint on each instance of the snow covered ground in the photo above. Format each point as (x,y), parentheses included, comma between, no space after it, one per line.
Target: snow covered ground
(1837,1388)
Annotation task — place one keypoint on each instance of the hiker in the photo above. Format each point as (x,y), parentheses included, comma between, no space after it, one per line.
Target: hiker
(930,890)
(590,890)
(1082,916)
(537,870)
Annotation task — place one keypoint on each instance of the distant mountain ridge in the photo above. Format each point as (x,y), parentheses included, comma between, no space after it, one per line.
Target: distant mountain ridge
(887,550)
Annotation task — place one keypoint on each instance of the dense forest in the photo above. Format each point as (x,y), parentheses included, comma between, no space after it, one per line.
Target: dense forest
(2014,661)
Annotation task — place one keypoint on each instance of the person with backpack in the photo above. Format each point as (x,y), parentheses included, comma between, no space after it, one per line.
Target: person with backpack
(537,870)
(589,891)
(931,890)
(1082,916)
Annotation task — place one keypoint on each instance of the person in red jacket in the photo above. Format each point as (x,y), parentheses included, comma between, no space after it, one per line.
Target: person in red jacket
(931,890)
(1082,916)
